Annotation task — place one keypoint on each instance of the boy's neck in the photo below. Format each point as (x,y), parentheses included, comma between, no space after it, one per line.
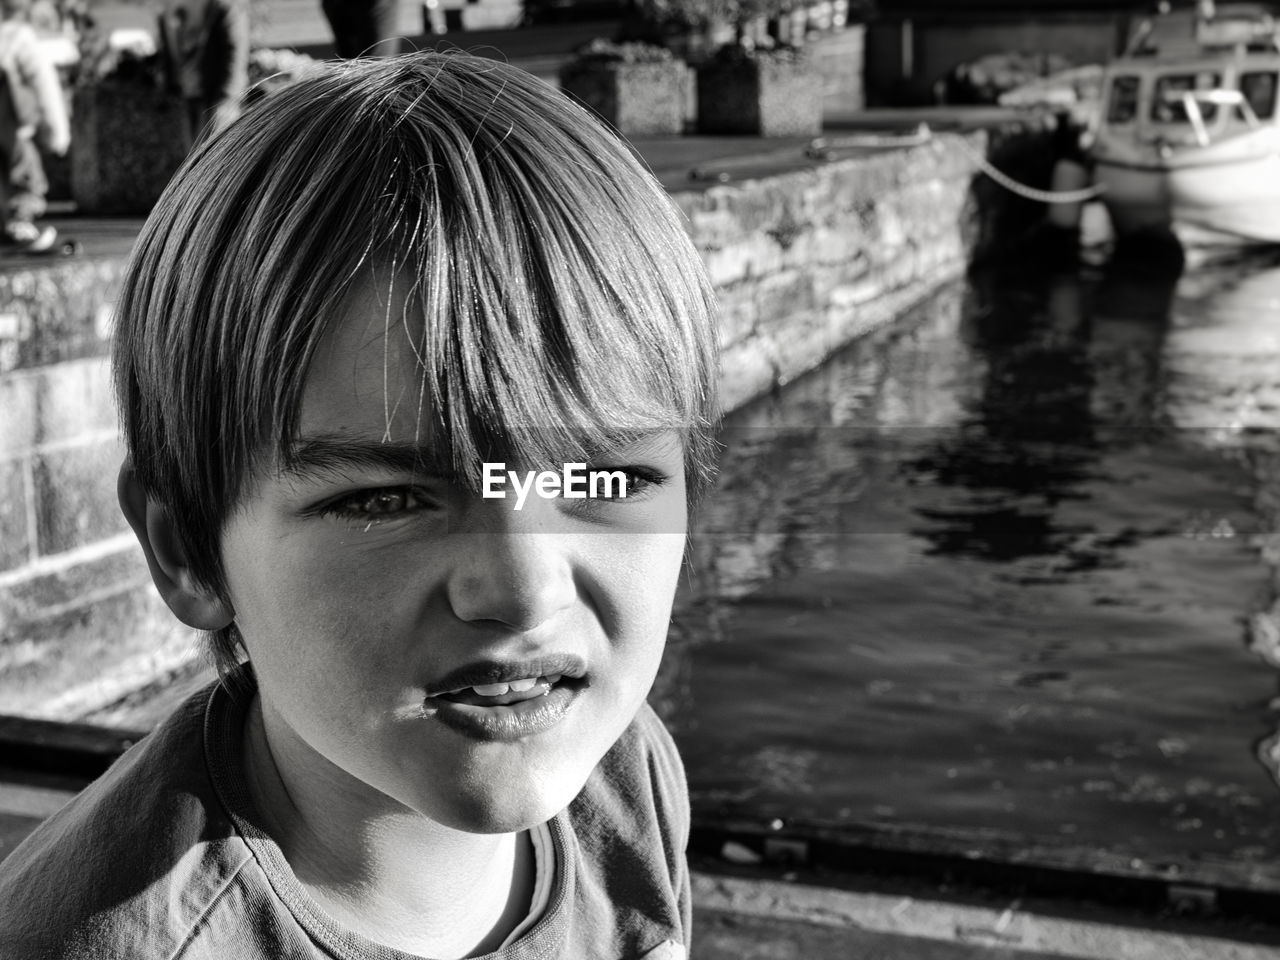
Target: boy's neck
(391,875)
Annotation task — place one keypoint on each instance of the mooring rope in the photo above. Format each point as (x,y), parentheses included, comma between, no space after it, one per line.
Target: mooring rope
(822,146)
(1031,193)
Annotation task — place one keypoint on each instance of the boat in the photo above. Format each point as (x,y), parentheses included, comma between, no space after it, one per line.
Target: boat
(1187,138)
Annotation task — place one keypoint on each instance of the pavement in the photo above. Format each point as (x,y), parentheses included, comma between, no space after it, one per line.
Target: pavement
(681,163)
(684,163)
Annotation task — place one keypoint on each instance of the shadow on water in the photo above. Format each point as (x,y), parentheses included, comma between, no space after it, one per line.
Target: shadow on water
(1030,440)
(987,576)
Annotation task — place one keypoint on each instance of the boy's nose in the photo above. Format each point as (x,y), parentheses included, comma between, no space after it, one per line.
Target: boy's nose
(512,568)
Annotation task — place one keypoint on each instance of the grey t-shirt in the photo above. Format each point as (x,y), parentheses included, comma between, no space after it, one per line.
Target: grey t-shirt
(158,859)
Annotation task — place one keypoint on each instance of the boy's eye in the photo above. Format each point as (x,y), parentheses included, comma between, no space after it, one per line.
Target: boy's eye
(640,482)
(639,479)
(379,504)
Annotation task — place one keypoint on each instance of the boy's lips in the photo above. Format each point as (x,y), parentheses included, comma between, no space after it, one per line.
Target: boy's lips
(490,673)
(506,700)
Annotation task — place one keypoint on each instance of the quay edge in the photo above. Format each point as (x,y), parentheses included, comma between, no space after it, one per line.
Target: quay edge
(808,260)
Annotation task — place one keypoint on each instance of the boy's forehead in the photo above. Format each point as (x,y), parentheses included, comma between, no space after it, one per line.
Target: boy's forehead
(366,377)
(366,391)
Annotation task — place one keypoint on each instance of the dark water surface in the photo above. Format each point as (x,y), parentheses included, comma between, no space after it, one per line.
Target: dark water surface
(989,577)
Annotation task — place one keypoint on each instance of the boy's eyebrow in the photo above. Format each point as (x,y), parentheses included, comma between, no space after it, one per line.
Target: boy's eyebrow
(329,452)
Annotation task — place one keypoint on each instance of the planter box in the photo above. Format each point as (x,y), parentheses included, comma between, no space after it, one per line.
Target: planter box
(760,96)
(637,99)
(126,142)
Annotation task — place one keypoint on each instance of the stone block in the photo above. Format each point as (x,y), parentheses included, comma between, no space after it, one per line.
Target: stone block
(825,246)
(802,343)
(828,278)
(69,665)
(757,255)
(15,527)
(853,185)
(725,265)
(739,313)
(783,295)
(758,205)
(75,495)
(125,146)
(748,369)
(711,225)
(762,96)
(35,596)
(75,399)
(839,57)
(54,309)
(636,99)
(17,413)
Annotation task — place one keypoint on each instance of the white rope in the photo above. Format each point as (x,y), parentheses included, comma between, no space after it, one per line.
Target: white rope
(1031,193)
(822,146)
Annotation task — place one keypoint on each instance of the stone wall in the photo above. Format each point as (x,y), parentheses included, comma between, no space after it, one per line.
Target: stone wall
(79,626)
(805,261)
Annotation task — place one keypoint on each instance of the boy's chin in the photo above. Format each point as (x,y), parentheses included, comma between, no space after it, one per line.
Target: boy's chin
(502,808)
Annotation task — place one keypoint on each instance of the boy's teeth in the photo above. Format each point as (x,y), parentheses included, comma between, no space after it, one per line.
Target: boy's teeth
(515,686)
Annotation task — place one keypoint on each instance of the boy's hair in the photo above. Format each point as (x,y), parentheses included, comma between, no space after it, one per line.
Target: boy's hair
(557,303)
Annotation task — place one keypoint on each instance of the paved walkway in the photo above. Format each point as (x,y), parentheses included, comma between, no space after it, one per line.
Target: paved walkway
(680,163)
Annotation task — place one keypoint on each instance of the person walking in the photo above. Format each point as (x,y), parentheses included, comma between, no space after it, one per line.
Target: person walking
(206,52)
(32,106)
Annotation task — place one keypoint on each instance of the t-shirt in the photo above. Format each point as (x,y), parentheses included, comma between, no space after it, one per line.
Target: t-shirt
(158,859)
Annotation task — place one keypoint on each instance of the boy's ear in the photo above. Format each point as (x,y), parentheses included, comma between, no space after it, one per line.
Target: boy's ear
(194,605)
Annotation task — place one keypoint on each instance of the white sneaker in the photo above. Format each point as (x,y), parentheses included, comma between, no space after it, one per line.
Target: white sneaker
(30,237)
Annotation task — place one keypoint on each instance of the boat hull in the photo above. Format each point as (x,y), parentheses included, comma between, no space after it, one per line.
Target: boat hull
(1228,191)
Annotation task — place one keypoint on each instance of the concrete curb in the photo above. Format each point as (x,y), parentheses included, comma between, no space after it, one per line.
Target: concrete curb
(1011,929)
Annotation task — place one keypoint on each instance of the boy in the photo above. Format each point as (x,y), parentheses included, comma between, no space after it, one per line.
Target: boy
(31,103)
(366,289)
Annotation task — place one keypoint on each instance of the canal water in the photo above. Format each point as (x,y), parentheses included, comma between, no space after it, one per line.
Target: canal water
(995,580)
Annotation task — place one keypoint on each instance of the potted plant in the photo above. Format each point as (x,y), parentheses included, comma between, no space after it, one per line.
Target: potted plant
(639,88)
(126,128)
(761,90)
(752,75)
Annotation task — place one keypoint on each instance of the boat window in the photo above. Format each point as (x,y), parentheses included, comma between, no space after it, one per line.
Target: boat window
(1260,90)
(1122,105)
(1166,103)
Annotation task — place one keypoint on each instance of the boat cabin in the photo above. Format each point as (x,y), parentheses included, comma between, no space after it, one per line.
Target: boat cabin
(1189,79)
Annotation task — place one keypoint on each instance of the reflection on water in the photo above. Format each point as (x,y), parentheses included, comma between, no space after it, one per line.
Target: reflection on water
(994,571)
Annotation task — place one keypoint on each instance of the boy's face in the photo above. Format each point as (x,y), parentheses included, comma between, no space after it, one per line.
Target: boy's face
(374,600)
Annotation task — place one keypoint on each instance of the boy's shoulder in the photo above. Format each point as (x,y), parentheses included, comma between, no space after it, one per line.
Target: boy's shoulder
(642,772)
(132,864)
(631,823)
